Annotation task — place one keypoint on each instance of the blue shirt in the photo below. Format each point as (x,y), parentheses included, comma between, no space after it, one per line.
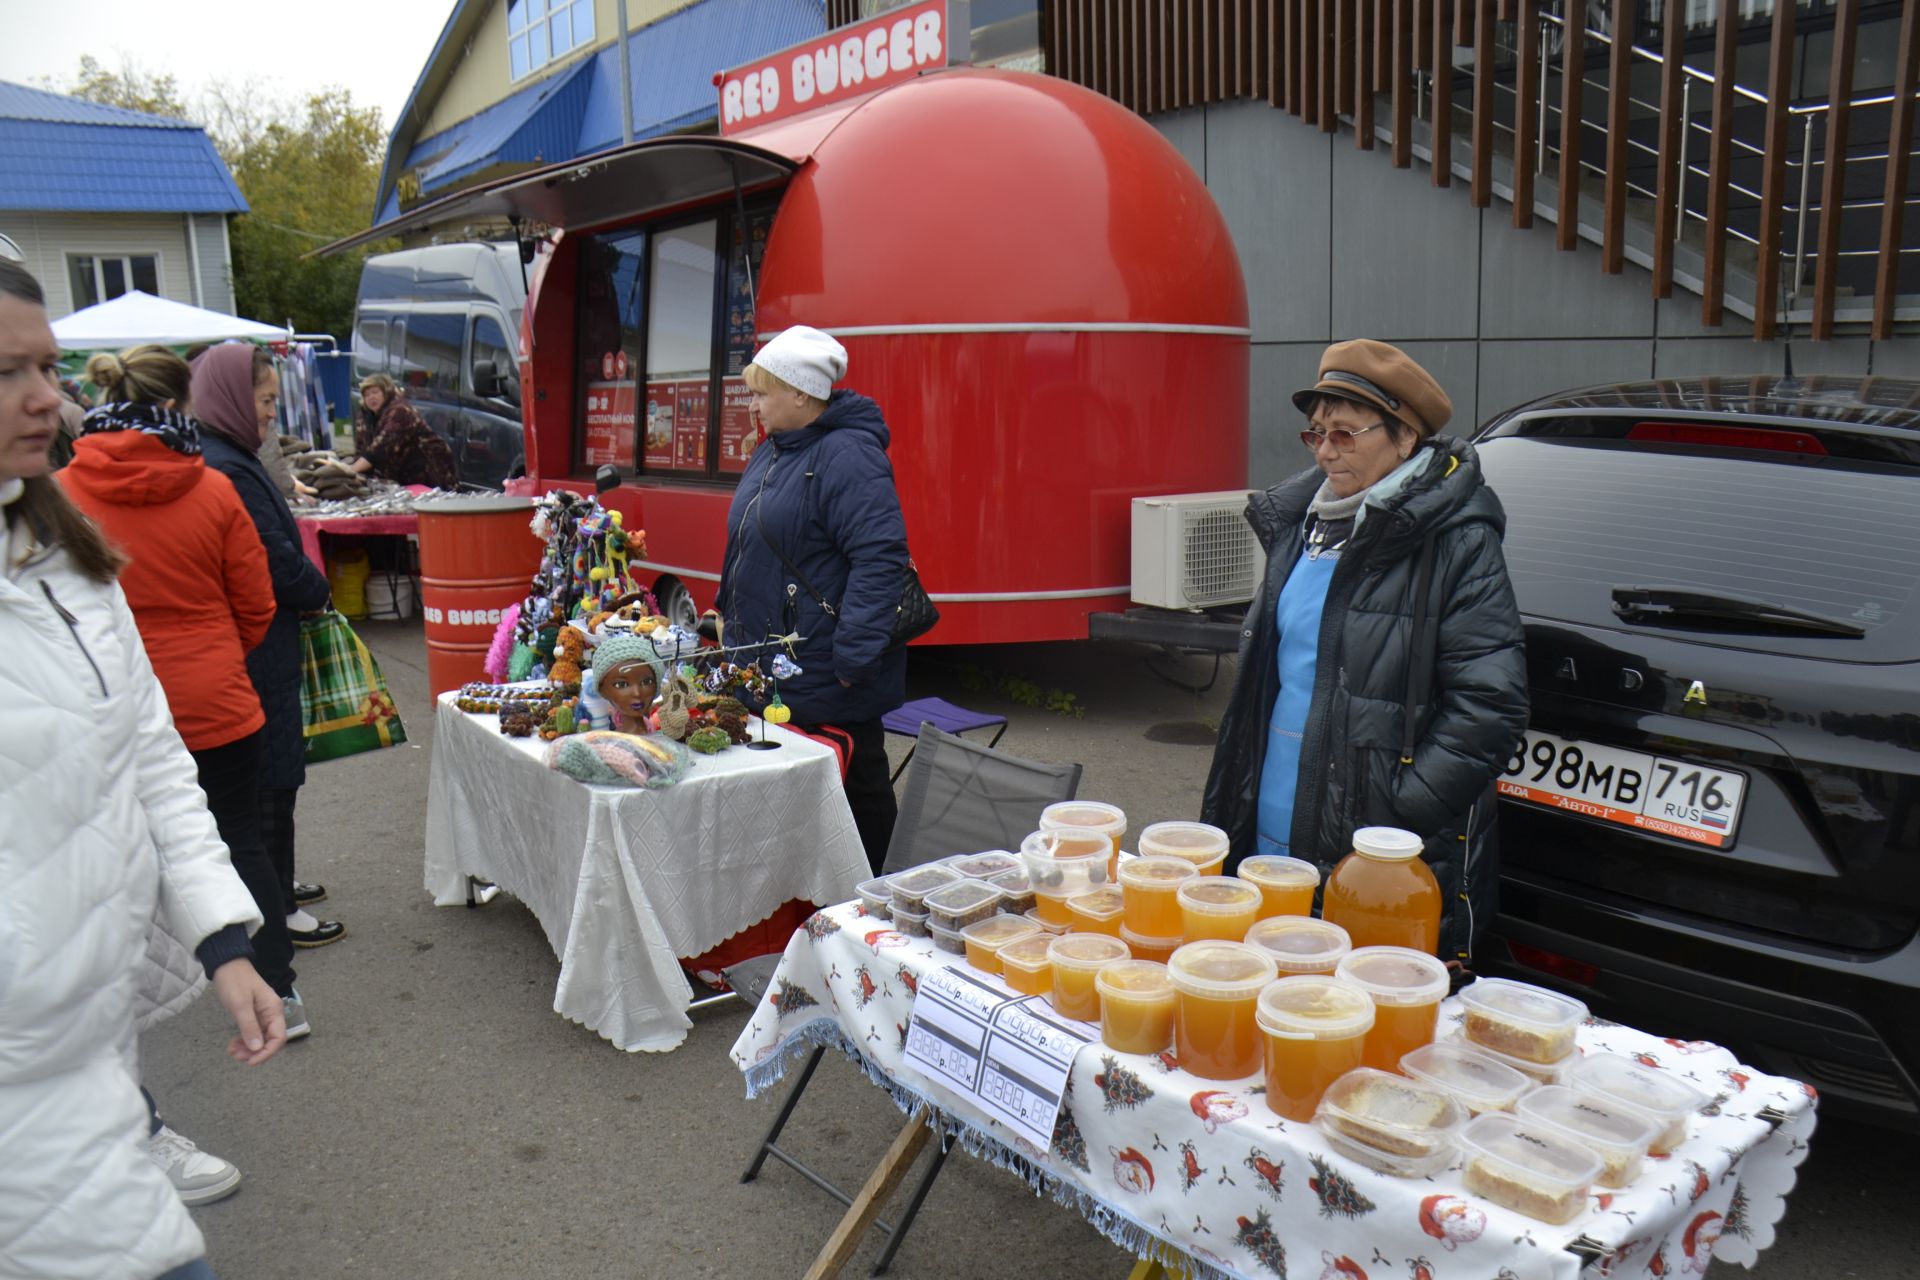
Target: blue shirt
(1298,611)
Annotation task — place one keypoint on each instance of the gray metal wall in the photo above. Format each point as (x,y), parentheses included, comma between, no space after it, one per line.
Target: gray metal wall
(1336,243)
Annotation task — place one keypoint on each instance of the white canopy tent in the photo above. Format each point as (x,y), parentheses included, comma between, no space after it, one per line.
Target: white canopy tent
(140,317)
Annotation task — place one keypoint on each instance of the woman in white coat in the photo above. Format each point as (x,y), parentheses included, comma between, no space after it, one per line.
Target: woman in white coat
(101,825)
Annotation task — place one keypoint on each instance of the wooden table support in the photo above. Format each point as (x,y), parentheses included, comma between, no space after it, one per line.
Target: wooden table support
(880,1184)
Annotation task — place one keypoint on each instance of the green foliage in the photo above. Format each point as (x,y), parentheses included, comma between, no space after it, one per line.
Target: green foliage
(1022,691)
(130,87)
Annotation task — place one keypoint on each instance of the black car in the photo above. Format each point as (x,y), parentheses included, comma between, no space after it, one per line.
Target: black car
(1712,830)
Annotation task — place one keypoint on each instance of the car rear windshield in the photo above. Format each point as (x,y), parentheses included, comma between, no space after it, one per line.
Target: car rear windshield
(1837,539)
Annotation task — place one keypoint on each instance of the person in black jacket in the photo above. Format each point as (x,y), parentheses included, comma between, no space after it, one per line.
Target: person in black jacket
(235,393)
(1382,678)
(816,546)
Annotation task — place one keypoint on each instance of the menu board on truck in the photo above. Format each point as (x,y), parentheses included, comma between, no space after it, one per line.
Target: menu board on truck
(609,427)
(659,425)
(690,424)
(739,433)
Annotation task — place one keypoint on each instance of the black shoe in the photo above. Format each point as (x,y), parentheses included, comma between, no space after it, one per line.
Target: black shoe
(323,932)
(305,894)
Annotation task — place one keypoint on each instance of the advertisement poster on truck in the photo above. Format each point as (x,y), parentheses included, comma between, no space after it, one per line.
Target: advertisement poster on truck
(609,431)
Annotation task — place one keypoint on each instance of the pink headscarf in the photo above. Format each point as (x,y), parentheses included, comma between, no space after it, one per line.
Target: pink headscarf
(222,394)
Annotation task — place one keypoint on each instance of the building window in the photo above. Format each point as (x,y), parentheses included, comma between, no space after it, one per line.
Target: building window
(99,278)
(543,31)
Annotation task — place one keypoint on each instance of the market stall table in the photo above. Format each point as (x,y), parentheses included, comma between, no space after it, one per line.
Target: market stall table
(626,881)
(312,526)
(1201,1175)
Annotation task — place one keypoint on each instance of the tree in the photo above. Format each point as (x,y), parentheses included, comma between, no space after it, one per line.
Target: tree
(131,87)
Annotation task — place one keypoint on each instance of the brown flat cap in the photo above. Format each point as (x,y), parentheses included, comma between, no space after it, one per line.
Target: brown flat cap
(1384,376)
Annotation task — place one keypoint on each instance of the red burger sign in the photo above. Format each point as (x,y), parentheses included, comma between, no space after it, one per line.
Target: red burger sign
(845,63)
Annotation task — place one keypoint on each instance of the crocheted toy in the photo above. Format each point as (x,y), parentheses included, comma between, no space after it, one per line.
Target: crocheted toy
(729,715)
(569,657)
(516,720)
(776,711)
(709,740)
(619,758)
(675,716)
(559,722)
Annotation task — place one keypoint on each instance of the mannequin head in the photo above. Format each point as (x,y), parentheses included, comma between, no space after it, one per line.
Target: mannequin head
(628,672)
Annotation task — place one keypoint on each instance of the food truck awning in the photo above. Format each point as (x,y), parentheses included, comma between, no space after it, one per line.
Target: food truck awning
(625,182)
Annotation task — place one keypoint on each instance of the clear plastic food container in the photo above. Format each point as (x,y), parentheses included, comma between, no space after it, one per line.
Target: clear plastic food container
(876,895)
(1301,944)
(982,866)
(1025,964)
(911,923)
(1203,845)
(1151,890)
(1077,961)
(1158,950)
(1407,987)
(1521,1020)
(911,887)
(1658,1093)
(1390,1123)
(1223,907)
(1286,884)
(1089,814)
(1313,1029)
(1065,863)
(946,939)
(1526,1167)
(957,905)
(1216,1033)
(983,939)
(1536,1072)
(1479,1081)
(1096,911)
(1016,891)
(1136,1006)
(1054,927)
(1618,1135)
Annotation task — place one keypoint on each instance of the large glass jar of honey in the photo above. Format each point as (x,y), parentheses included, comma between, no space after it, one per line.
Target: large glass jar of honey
(1383,894)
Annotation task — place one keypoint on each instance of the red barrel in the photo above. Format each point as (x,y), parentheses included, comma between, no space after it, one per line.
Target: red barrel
(477,557)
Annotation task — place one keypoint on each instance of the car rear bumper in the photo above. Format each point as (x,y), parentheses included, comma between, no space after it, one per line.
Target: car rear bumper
(1848,1025)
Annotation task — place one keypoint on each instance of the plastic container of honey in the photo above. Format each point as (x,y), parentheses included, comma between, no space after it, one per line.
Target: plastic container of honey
(1077,959)
(982,866)
(1407,987)
(1026,966)
(1150,888)
(1383,894)
(1222,907)
(1052,927)
(1203,845)
(984,939)
(1158,950)
(1136,1006)
(1480,1083)
(1521,1020)
(1301,944)
(1618,1135)
(1217,985)
(1286,884)
(1016,891)
(1312,1031)
(1526,1167)
(1390,1123)
(1096,911)
(957,905)
(1670,1101)
(876,895)
(1065,863)
(1536,1072)
(1089,815)
(910,888)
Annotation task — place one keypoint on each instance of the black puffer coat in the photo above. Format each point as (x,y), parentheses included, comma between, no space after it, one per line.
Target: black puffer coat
(1464,676)
(298,587)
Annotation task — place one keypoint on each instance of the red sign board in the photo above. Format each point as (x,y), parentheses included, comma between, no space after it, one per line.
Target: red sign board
(845,63)
(609,434)
(739,433)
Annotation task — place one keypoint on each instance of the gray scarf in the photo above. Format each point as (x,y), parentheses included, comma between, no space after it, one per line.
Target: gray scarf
(1327,508)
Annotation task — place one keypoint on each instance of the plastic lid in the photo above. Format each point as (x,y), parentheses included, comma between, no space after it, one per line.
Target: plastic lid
(1278,872)
(1476,1079)
(1103,903)
(1012,882)
(1218,895)
(961,896)
(1220,969)
(1309,1007)
(1537,1072)
(1141,979)
(1194,841)
(1613,1129)
(997,931)
(1155,873)
(1395,975)
(921,881)
(1067,844)
(1523,1004)
(1091,814)
(1555,1164)
(1648,1088)
(1390,843)
(1086,950)
(1146,943)
(1301,944)
(1029,952)
(1393,1113)
(878,887)
(983,866)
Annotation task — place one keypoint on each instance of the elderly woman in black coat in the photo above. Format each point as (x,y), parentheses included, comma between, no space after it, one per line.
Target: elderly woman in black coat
(1382,680)
(235,393)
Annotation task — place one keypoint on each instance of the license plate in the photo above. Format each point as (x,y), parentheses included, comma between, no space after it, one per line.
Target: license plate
(1653,793)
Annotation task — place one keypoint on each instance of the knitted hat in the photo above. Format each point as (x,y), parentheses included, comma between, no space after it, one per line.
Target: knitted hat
(1382,377)
(630,648)
(805,359)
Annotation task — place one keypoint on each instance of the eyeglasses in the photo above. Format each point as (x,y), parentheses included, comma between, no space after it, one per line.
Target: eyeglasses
(1341,437)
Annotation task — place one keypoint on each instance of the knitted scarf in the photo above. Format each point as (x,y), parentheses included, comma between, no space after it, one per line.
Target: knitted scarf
(173,429)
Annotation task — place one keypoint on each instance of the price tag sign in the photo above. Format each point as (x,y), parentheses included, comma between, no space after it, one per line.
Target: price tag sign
(1008,1054)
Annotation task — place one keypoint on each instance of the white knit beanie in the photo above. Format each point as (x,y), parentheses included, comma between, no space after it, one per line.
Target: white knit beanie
(804,358)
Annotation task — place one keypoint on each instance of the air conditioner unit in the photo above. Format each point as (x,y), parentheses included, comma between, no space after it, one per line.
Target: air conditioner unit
(1194,551)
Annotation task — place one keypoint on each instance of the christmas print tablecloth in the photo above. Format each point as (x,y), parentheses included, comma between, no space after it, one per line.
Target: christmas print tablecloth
(1200,1173)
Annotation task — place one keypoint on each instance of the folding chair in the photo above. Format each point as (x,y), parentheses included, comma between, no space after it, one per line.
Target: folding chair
(961,797)
(906,719)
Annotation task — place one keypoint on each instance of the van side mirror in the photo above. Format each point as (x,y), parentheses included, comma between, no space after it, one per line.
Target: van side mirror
(490,383)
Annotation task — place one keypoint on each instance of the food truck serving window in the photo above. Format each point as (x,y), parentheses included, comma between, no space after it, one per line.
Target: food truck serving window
(664,334)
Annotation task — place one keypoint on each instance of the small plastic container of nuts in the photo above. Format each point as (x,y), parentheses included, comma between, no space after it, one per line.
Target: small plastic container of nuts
(1617,1134)
(957,905)
(1658,1093)
(1390,1123)
(1016,891)
(983,866)
(876,895)
(1526,1167)
(1521,1020)
(910,888)
(945,939)
(912,923)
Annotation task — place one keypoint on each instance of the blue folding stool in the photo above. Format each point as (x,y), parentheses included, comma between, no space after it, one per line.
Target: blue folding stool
(907,718)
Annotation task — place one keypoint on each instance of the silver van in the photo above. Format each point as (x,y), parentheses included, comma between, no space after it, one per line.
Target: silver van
(444,323)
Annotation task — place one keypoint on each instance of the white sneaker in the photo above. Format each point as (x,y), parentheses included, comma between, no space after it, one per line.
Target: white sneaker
(298,1027)
(198,1177)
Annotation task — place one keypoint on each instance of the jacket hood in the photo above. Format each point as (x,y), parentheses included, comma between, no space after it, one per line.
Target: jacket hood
(1449,490)
(845,411)
(131,469)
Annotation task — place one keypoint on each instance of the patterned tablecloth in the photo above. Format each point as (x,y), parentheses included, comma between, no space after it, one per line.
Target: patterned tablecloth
(1167,1164)
(625,881)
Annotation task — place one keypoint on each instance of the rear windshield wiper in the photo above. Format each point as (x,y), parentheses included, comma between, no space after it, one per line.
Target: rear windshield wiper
(1684,606)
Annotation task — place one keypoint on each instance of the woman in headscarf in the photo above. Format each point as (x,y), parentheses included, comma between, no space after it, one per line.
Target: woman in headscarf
(396,442)
(235,393)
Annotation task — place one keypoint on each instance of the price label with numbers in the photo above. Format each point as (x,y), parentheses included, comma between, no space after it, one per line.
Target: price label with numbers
(1008,1054)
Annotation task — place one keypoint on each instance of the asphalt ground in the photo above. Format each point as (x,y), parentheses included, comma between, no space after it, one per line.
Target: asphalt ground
(443,1121)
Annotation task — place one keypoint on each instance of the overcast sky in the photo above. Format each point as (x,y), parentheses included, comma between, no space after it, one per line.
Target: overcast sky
(375,48)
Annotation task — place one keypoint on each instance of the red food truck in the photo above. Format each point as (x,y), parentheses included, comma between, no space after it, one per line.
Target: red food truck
(1033,284)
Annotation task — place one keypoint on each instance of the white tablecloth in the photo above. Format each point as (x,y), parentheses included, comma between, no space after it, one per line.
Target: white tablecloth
(626,880)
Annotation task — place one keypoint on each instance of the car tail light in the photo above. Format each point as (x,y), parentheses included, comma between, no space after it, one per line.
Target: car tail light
(1554,964)
(1729,437)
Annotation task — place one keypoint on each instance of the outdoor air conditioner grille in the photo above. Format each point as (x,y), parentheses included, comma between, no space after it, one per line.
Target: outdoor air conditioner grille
(1222,557)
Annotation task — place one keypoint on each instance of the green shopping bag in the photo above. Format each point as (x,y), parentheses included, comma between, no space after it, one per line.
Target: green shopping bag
(343,698)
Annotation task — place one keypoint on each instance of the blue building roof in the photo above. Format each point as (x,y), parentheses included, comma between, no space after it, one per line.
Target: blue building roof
(576,110)
(65,154)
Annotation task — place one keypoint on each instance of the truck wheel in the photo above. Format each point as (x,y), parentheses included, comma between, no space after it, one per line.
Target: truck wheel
(676,602)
